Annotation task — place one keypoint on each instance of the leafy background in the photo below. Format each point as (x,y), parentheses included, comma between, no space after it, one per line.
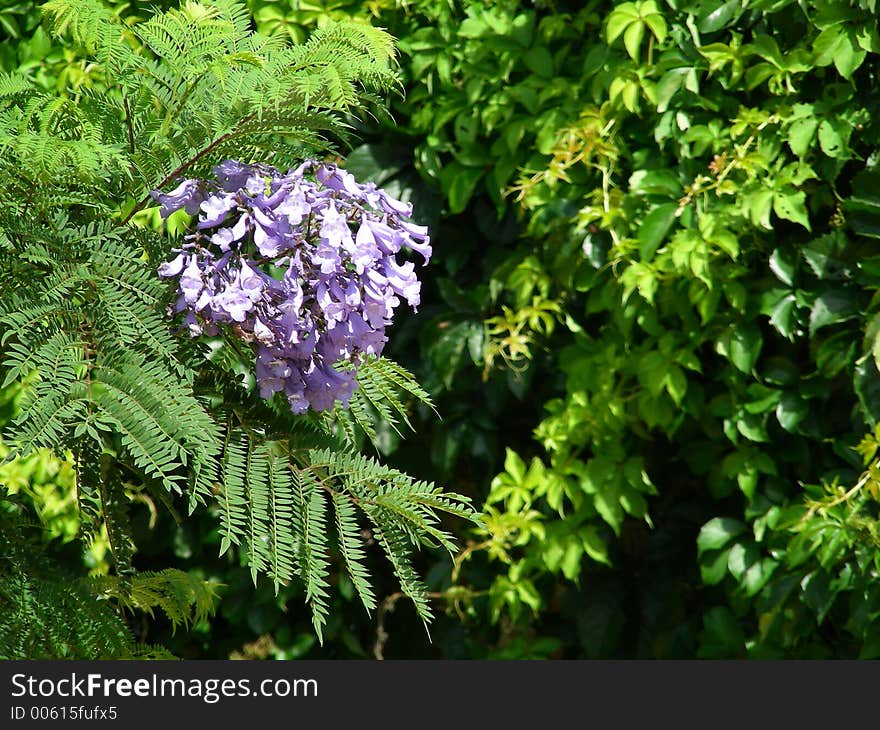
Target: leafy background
(650,329)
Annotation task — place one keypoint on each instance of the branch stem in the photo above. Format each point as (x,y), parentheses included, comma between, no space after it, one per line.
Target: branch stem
(189,163)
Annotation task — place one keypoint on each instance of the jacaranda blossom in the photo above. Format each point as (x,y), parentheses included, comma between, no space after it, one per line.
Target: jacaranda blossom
(303,266)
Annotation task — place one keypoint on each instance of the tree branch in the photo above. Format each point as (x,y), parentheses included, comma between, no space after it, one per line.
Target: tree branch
(193,160)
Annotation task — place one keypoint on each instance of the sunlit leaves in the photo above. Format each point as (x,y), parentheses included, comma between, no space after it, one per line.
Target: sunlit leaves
(837,44)
(632,20)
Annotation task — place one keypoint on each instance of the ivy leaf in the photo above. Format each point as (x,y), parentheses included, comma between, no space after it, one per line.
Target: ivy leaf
(723,16)
(801,134)
(832,307)
(866,382)
(791,410)
(832,141)
(836,45)
(792,207)
(745,346)
(654,228)
(632,39)
(718,532)
(782,316)
(821,254)
(619,20)
(540,61)
(863,208)
(593,544)
(458,183)
(783,263)
(757,206)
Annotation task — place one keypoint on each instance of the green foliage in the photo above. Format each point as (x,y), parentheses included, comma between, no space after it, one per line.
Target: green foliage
(661,221)
(145,416)
(651,328)
(720,309)
(49,613)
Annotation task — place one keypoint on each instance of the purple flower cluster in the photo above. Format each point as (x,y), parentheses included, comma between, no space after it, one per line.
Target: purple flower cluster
(303,266)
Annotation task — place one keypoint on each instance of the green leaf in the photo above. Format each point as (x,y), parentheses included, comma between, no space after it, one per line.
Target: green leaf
(836,353)
(593,544)
(745,346)
(822,256)
(752,427)
(713,567)
(656,182)
(817,593)
(622,16)
(837,45)
(832,307)
(783,316)
(791,411)
(866,382)
(514,466)
(654,228)
(872,338)
(607,494)
(831,140)
(652,370)
(757,575)
(656,22)
(783,263)
(863,207)
(632,39)
(801,134)
(721,637)
(721,17)
(757,206)
(472,27)
(539,60)
(740,558)
(571,559)
(377,163)
(668,85)
(792,207)
(676,384)
(718,532)
(459,183)
(848,61)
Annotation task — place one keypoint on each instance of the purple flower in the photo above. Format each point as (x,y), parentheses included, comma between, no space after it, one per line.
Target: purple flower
(215,208)
(294,205)
(233,176)
(402,279)
(173,267)
(326,257)
(187,195)
(334,228)
(304,264)
(191,283)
